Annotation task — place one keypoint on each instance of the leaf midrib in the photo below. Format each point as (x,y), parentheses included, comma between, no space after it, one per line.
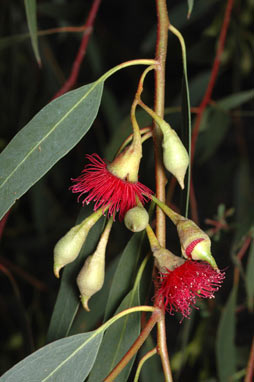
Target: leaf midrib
(71,355)
(46,136)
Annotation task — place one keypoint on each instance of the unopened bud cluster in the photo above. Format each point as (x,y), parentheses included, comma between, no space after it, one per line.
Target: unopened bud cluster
(91,276)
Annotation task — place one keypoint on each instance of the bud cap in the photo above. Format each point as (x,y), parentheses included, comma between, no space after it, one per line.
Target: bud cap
(195,243)
(136,219)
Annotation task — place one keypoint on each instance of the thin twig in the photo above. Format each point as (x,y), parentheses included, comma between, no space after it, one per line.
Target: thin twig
(250,367)
(142,361)
(239,256)
(207,96)
(37,284)
(3,222)
(214,74)
(81,52)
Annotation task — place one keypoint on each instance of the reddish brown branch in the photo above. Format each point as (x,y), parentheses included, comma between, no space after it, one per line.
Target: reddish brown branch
(135,347)
(81,52)
(250,367)
(193,203)
(70,82)
(23,274)
(214,73)
(239,256)
(207,96)
(3,221)
(244,248)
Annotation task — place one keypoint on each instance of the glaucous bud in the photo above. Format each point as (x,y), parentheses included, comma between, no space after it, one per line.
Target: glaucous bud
(175,156)
(68,247)
(91,277)
(195,243)
(136,219)
(166,260)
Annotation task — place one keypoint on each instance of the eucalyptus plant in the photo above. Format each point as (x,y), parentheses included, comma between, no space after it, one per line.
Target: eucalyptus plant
(114,314)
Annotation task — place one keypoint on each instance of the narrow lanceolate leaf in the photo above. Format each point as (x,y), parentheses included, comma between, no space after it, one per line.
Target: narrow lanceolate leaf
(30,6)
(225,347)
(190,7)
(235,100)
(117,341)
(50,135)
(213,130)
(124,274)
(68,302)
(65,360)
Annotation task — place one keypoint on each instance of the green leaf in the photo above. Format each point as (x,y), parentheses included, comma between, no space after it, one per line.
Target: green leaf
(65,360)
(190,7)
(49,136)
(250,278)
(30,6)
(225,347)
(117,341)
(184,341)
(214,126)
(67,302)
(124,274)
(235,100)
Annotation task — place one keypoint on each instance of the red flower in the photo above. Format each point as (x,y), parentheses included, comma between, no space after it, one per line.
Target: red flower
(181,286)
(107,190)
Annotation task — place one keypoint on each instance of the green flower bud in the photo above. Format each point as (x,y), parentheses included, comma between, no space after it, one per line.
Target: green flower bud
(136,219)
(68,247)
(195,243)
(175,156)
(166,260)
(91,277)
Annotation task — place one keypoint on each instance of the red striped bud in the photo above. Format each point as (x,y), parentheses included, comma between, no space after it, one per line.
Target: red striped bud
(195,243)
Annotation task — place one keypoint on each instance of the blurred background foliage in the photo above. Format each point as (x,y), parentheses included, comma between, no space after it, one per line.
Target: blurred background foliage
(222,172)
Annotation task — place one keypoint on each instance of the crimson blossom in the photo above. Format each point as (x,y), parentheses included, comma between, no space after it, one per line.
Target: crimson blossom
(181,286)
(107,190)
